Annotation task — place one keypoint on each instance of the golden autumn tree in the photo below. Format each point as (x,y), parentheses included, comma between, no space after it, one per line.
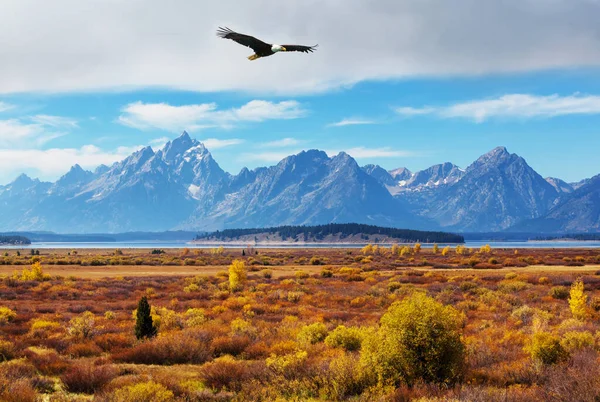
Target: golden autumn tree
(578,300)
(237,275)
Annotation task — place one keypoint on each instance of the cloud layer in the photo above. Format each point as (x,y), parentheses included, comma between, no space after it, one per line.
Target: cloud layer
(192,118)
(124,44)
(50,163)
(351,122)
(512,106)
(33,130)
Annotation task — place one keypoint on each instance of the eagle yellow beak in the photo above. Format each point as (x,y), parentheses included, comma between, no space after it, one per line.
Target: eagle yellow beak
(284,49)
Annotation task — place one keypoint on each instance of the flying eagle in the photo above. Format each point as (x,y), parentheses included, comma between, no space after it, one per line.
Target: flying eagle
(261,49)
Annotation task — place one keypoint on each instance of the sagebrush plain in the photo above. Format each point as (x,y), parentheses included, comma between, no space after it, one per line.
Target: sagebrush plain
(301,324)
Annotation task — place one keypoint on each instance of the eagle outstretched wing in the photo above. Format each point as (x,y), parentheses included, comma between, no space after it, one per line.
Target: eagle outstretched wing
(300,48)
(250,41)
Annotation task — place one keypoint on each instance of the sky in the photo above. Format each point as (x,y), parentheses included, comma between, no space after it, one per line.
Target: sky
(399,83)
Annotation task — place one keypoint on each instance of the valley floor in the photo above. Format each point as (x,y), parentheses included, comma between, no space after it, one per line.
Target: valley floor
(299,324)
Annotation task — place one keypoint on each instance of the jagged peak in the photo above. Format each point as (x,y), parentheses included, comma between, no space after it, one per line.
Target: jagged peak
(306,154)
(101,169)
(399,170)
(496,153)
(23,178)
(342,155)
(147,150)
(496,156)
(174,150)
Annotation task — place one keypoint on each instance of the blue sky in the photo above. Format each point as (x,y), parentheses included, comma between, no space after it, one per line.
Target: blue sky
(450,95)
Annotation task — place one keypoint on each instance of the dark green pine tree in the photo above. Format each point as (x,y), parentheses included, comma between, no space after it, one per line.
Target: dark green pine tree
(144,328)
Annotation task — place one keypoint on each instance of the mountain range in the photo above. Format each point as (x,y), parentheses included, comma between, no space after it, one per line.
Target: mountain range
(181,187)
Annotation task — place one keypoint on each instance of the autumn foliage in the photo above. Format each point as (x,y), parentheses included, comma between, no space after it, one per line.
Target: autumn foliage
(382,323)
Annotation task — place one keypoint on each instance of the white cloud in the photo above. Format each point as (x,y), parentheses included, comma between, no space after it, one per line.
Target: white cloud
(55,121)
(158,143)
(18,133)
(50,164)
(363,152)
(196,117)
(215,143)
(5,106)
(514,106)
(351,122)
(104,44)
(355,152)
(284,142)
(268,156)
(412,111)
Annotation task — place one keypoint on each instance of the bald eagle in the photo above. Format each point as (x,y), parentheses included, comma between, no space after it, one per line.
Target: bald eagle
(261,49)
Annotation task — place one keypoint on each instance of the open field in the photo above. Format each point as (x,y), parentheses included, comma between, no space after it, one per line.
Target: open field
(307,324)
(147,270)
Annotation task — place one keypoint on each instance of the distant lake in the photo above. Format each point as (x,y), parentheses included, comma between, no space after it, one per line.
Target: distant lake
(180,244)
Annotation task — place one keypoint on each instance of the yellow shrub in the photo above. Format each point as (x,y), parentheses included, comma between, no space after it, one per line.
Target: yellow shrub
(418,339)
(301,274)
(485,249)
(82,326)
(36,273)
(167,319)
(573,341)
(287,364)
(194,317)
(191,288)
(313,333)
(240,326)
(143,392)
(6,315)
(40,328)
(546,348)
(348,338)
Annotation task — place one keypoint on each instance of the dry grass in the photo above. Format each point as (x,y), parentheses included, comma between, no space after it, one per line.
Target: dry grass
(215,344)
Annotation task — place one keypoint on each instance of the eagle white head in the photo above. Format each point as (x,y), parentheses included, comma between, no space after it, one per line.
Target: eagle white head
(277,48)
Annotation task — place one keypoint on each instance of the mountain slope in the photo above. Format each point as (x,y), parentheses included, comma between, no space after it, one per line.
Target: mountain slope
(181,186)
(309,188)
(579,212)
(495,192)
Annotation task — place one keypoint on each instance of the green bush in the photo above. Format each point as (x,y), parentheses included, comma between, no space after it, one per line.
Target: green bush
(144,327)
(418,339)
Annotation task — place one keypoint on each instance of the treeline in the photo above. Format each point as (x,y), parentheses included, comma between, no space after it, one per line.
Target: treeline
(342,229)
(579,236)
(14,240)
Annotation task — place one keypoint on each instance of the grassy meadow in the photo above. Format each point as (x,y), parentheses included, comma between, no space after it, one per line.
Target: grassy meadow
(388,324)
